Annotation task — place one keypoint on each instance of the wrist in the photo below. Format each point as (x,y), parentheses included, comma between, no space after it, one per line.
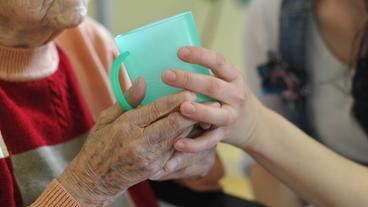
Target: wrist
(247,130)
(83,185)
(78,189)
(259,131)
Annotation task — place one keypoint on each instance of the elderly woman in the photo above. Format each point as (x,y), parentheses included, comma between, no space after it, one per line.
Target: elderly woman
(54,151)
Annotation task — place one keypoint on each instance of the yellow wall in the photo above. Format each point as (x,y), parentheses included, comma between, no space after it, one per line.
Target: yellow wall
(130,14)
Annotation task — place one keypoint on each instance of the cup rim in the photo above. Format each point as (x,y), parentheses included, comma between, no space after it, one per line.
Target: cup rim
(148,26)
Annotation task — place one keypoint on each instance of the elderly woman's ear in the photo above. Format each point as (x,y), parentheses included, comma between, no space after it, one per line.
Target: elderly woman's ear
(31,23)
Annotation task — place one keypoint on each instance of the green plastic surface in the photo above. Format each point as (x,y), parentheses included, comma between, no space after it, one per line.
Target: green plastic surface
(149,51)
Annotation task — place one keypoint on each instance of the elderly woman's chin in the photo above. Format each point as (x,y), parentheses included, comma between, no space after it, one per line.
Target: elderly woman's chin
(41,23)
(67,19)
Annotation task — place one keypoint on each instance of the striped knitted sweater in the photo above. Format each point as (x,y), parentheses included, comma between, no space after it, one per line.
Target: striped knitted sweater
(49,99)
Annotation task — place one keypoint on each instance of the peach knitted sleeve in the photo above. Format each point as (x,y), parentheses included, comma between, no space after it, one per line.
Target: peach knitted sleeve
(55,195)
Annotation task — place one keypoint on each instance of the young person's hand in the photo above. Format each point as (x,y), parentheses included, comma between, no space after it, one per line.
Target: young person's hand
(235,120)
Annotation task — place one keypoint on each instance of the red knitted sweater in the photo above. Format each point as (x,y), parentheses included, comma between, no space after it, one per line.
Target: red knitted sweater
(43,124)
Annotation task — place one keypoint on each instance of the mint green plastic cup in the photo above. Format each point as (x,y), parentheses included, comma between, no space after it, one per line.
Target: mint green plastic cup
(149,51)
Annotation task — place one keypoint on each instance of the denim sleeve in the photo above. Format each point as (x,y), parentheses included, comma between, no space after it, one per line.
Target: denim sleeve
(261,37)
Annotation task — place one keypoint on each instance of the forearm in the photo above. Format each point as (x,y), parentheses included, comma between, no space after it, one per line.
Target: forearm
(318,174)
(277,193)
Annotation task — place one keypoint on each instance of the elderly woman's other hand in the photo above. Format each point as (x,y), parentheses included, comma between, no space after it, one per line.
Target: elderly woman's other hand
(199,171)
(124,149)
(187,165)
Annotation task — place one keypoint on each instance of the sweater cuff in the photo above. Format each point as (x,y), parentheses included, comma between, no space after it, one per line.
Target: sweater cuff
(55,195)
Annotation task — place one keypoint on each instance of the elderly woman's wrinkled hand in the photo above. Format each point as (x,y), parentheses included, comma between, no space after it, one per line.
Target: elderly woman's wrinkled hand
(124,149)
(191,166)
(187,165)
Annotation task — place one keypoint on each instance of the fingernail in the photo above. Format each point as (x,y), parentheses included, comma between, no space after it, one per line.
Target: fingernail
(171,165)
(180,145)
(137,81)
(189,108)
(205,126)
(156,176)
(170,75)
(194,95)
(184,52)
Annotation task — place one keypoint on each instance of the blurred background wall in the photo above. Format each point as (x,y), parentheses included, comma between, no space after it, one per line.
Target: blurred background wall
(221,25)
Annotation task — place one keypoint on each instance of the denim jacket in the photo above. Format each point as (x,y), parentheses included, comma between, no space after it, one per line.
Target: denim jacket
(285,74)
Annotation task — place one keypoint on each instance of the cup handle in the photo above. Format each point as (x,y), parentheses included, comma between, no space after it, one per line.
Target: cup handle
(114,78)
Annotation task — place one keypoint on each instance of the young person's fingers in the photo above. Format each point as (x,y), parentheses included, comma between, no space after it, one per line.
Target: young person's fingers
(210,86)
(205,114)
(206,126)
(202,143)
(219,65)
